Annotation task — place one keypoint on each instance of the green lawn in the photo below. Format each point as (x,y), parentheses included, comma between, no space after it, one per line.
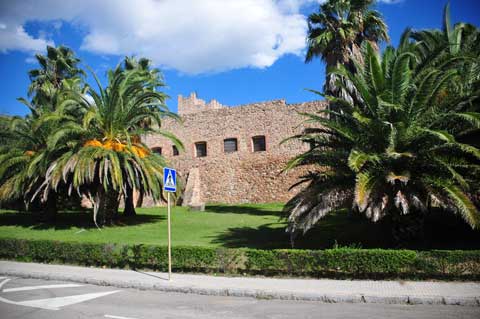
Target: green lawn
(256,226)
(149,226)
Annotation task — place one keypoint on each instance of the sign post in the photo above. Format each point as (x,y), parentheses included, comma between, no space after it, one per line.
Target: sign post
(169,186)
(169,241)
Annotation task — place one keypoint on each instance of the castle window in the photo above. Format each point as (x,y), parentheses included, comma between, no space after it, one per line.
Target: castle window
(157,150)
(174,150)
(201,149)
(258,143)
(230,145)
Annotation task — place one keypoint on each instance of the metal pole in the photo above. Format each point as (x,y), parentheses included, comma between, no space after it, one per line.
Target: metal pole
(169,242)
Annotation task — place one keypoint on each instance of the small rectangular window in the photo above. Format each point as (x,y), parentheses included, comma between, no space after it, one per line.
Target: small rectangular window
(201,149)
(230,145)
(174,150)
(157,150)
(259,143)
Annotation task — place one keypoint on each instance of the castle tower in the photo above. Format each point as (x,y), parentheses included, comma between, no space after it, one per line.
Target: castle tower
(192,104)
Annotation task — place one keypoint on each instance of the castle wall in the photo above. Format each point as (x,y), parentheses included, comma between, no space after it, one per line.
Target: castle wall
(192,104)
(242,176)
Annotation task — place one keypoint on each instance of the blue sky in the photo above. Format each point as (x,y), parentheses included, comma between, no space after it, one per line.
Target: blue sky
(236,52)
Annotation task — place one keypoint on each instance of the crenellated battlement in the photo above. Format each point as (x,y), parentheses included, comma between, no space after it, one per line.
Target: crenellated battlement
(192,104)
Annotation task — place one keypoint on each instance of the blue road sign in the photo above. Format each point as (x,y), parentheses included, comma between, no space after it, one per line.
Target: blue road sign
(169,180)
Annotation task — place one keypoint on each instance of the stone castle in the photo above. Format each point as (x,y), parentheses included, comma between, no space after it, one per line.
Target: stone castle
(234,154)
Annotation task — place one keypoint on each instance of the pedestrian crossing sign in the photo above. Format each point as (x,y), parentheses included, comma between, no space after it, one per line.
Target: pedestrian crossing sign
(169,180)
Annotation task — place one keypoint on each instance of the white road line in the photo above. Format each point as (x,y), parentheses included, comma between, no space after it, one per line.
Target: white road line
(117,317)
(4,282)
(7,301)
(57,302)
(42,287)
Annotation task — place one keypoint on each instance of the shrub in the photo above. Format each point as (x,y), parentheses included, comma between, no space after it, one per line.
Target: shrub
(338,263)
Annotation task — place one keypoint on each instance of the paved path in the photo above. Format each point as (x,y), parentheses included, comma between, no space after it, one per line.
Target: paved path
(356,291)
(46,299)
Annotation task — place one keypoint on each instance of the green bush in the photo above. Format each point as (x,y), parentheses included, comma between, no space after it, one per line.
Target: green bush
(337,263)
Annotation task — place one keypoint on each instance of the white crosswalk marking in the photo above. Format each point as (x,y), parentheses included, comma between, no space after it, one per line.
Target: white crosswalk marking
(57,302)
(51,303)
(42,287)
(117,317)
(4,282)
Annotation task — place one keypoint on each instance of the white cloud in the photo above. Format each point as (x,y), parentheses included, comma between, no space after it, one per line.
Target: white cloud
(31,60)
(57,25)
(188,35)
(295,5)
(390,1)
(14,37)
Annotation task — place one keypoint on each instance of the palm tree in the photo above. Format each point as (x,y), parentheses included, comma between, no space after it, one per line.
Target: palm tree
(153,76)
(152,80)
(24,155)
(435,45)
(336,33)
(5,134)
(60,63)
(24,159)
(395,153)
(461,40)
(104,156)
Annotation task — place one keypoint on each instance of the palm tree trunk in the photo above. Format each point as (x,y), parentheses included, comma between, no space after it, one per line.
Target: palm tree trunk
(140,199)
(105,206)
(51,210)
(111,206)
(129,205)
(99,207)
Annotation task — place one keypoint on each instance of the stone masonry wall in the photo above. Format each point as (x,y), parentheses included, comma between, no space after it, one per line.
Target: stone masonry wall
(192,104)
(243,176)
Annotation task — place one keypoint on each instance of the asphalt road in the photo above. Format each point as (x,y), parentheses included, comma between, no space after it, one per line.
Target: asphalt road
(41,299)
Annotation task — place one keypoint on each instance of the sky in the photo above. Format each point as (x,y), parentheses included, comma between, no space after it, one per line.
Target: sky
(235,51)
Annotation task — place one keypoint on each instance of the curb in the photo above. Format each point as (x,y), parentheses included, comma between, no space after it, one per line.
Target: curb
(256,293)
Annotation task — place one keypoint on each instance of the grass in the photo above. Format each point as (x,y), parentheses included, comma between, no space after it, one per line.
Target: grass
(252,225)
(148,227)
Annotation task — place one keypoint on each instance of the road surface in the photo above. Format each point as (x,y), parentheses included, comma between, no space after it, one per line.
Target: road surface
(42,299)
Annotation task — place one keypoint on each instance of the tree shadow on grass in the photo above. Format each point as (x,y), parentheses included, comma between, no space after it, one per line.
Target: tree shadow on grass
(267,236)
(243,209)
(340,229)
(442,231)
(68,220)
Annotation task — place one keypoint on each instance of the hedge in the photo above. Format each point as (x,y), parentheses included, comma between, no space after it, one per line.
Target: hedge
(336,263)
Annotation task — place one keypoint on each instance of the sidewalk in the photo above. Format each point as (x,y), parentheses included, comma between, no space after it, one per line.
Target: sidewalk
(326,290)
